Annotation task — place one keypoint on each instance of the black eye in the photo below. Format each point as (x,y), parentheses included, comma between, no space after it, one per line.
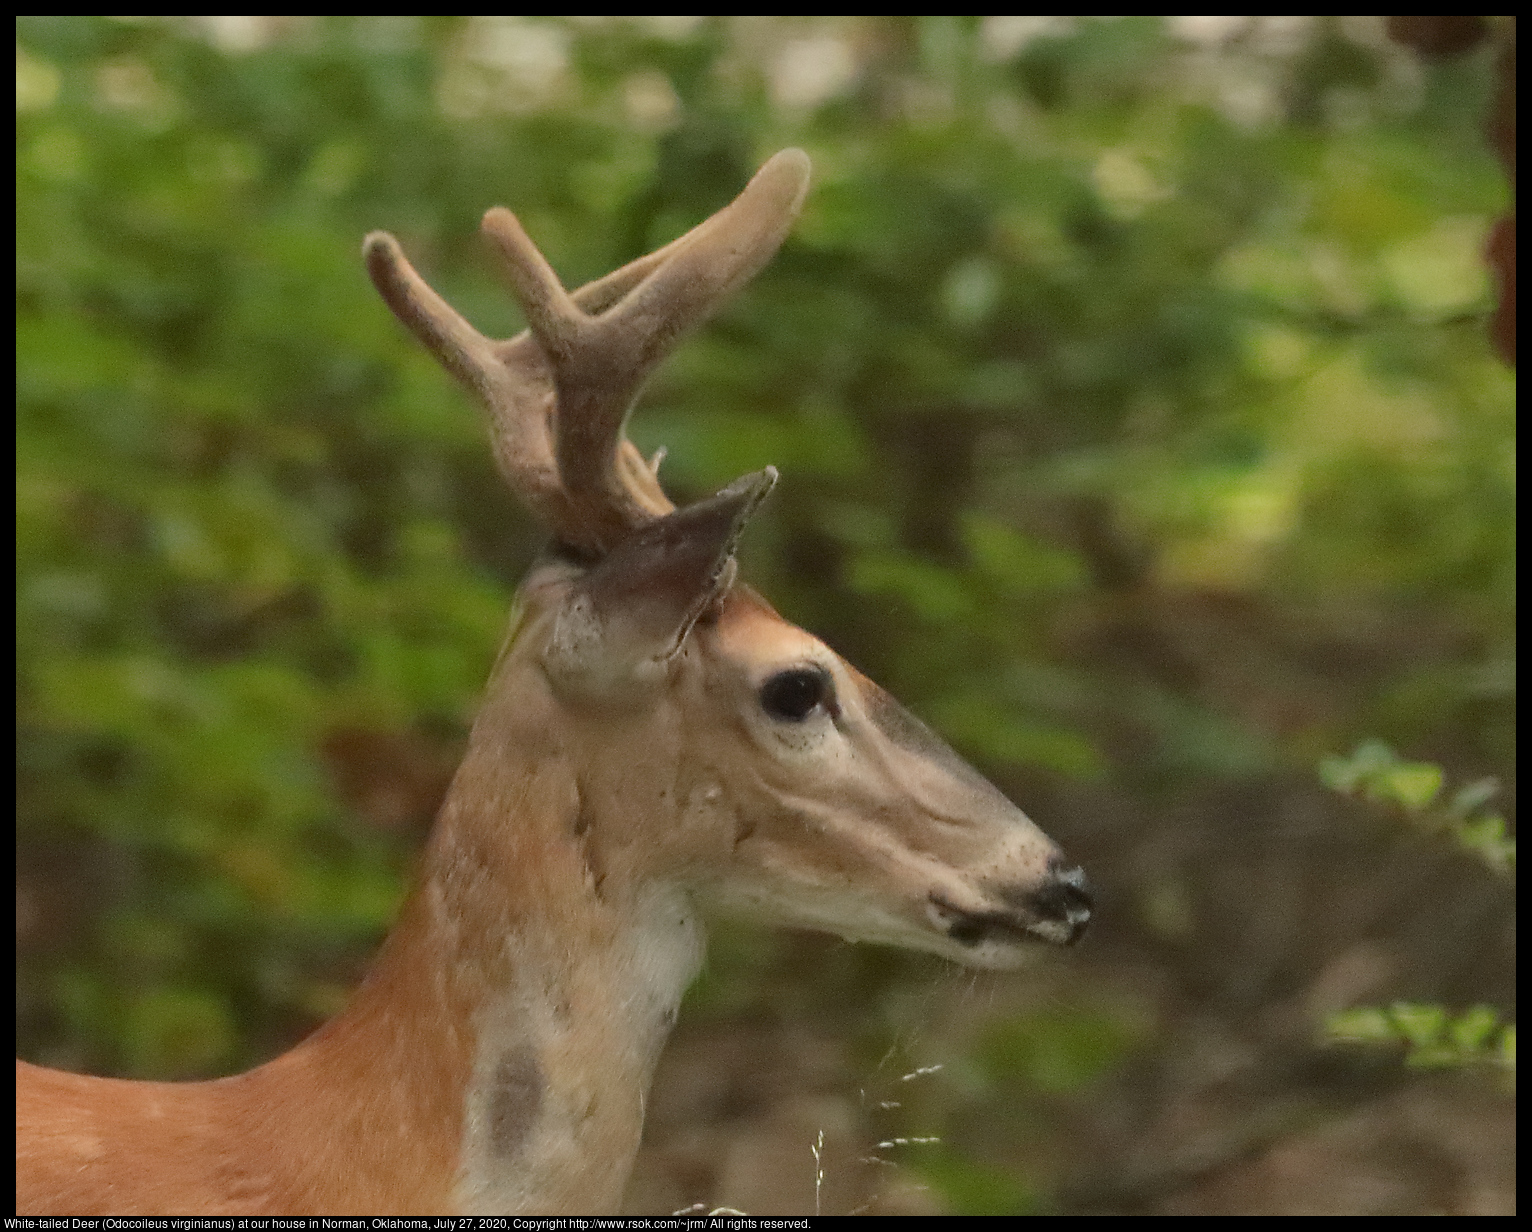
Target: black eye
(793,694)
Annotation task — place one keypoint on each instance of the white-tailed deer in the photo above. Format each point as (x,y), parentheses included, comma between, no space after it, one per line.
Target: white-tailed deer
(654,736)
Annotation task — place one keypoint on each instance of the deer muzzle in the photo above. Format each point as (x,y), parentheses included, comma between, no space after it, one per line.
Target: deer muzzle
(1057,911)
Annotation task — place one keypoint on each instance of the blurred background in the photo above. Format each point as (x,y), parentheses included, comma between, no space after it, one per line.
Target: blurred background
(1141,395)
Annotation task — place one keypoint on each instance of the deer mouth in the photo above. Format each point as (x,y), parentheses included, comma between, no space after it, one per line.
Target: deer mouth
(1057,913)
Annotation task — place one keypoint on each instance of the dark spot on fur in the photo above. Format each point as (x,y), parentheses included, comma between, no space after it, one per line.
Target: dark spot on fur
(589,855)
(515,1101)
(572,555)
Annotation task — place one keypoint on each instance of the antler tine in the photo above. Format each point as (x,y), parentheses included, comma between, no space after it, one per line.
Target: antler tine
(511,378)
(600,359)
(559,393)
(459,347)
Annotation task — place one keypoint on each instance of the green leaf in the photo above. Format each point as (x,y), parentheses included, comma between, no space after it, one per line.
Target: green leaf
(1412,785)
(1347,774)
(1485,837)
(1339,774)
(1366,1024)
(1473,1027)
(1421,1025)
(1471,795)
(1434,1056)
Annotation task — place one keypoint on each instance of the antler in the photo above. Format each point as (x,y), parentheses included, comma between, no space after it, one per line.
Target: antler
(559,393)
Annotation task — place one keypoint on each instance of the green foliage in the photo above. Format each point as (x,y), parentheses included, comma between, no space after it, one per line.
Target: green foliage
(1432,1036)
(1434,1039)
(1128,435)
(1376,773)
(1054,1053)
(972,1188)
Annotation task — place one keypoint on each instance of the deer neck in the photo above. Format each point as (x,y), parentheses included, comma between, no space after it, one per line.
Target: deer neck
(500,1052)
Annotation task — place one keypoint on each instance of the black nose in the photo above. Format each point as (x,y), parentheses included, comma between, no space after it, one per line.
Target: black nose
(1057,911)
(1064,898)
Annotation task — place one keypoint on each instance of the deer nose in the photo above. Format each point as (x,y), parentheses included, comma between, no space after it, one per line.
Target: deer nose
(1057,911)
(1064,899)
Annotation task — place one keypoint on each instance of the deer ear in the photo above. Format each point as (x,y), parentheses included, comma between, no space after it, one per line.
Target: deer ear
(629,615)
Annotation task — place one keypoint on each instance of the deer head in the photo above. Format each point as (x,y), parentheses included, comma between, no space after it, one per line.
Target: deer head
(721,748)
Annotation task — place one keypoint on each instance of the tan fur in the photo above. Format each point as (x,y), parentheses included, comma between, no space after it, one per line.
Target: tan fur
(625,765)
(561,837)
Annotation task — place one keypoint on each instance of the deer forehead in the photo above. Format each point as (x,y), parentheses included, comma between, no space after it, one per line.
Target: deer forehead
(749,633)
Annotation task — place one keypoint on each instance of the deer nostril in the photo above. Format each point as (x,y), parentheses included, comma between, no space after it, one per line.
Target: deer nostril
(1065,898)
(1056,911)
(1068,889)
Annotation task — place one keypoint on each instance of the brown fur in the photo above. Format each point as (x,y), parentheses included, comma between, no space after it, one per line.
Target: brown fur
(509,1007)
(624,764)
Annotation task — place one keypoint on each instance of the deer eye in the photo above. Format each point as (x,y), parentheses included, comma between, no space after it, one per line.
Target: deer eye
(792,695)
